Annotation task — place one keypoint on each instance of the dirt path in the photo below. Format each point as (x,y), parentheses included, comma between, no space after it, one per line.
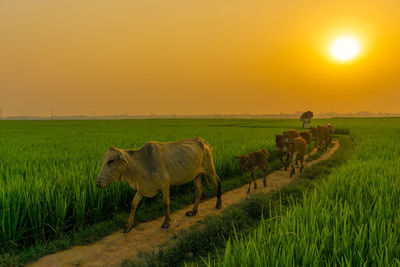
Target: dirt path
(112,249)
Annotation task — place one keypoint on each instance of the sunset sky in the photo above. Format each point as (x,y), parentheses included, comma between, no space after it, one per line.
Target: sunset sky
(196,57)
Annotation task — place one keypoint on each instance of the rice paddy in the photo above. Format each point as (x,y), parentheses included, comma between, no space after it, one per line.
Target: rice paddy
(48,169)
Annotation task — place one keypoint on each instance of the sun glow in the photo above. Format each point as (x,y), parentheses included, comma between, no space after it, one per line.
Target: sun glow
(345,48)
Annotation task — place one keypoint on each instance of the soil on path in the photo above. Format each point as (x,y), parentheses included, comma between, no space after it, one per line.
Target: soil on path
(113,249)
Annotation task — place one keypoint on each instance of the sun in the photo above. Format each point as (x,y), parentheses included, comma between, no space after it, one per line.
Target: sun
(345,48)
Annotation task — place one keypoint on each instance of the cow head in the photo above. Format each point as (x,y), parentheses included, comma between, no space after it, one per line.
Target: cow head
(243,161)
(114,167)
(287,139)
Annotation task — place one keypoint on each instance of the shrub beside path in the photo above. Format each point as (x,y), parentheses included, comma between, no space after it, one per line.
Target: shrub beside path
(145,237)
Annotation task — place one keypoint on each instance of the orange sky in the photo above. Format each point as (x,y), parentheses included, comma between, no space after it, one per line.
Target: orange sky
(196,57)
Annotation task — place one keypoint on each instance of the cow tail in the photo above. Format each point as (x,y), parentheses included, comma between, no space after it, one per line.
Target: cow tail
(209,163)
(207,179)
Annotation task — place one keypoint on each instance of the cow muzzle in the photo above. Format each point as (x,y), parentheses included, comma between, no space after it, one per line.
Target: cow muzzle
(99,183)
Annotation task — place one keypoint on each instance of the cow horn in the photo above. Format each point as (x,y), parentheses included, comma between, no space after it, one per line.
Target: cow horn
(122,157)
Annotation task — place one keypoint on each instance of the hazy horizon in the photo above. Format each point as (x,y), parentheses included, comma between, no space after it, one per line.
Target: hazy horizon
(227,57)
(295,115)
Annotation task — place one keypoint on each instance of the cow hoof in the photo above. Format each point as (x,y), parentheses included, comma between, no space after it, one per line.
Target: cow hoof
(165,225)
(190,213)
(248,191)
(128,229)
(218,206)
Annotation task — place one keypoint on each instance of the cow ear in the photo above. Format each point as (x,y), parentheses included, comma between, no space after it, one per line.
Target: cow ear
(122,157)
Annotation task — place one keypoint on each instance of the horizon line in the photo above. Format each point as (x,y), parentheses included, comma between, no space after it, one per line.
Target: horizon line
(214,115)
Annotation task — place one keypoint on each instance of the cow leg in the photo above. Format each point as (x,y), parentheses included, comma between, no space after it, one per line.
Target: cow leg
(212,175)
(166,201)
(254,179)
(281,156)
(265,176)
(218,189)
(134,204)
(287,160)
(250,178)
(293,161)
(198,190)
(301,162)
(217,185)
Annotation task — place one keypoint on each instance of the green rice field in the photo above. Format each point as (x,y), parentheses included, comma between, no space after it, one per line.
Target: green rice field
(47,189)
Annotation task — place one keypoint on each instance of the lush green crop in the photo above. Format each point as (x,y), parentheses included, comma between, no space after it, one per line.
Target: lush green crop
(48,168)
(352,219)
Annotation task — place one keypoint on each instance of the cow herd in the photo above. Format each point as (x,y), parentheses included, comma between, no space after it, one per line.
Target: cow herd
(293,144)
(156,166)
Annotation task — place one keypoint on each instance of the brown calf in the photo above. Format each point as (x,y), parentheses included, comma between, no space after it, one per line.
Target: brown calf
(292,133)
(296,149)
(321,134)
(280,146)
(253,161)
(307,136)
